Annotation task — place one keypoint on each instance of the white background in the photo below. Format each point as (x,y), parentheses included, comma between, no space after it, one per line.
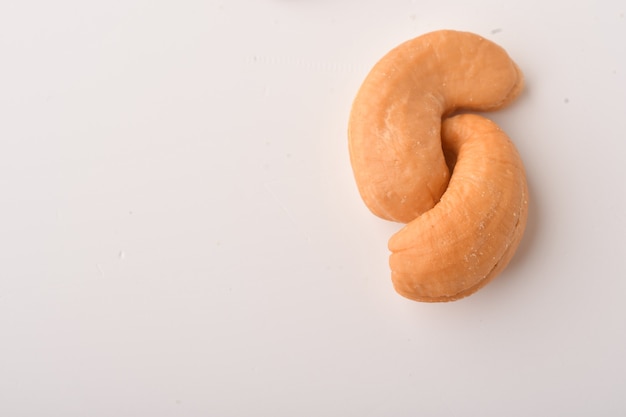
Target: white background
(181,234)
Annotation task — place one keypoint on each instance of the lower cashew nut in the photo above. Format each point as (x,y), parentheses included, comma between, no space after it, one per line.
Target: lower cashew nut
(459,184)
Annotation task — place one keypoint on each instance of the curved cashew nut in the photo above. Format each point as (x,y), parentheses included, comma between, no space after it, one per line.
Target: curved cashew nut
(465,227)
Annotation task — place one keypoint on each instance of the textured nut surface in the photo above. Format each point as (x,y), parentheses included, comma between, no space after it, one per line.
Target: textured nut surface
(395,122)
(463,227)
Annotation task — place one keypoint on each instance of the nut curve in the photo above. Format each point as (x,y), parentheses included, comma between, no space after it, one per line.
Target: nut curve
(394,127)
(463,228)
(463,242)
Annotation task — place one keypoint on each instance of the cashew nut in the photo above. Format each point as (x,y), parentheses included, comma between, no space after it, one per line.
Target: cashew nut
(463,228)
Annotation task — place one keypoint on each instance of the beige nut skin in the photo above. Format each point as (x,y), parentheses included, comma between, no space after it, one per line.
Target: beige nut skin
(465,240)
(463,228)
(394,127)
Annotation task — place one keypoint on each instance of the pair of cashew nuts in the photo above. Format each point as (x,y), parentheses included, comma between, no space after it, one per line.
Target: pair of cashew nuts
(456,180)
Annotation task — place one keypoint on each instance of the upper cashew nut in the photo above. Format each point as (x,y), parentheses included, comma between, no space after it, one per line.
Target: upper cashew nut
(463,227)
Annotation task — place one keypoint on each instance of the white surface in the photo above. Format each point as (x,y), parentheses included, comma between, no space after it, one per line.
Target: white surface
(182,236)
